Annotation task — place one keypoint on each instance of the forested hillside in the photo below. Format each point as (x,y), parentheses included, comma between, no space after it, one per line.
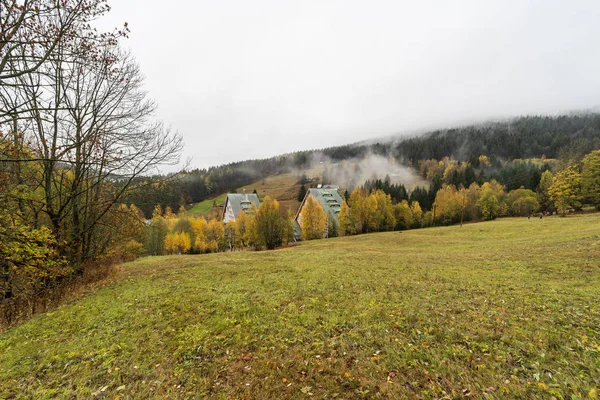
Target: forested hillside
(542,137)
(525,137)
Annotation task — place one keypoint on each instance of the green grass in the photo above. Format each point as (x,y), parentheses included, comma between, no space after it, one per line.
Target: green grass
(205,207)
(502,309)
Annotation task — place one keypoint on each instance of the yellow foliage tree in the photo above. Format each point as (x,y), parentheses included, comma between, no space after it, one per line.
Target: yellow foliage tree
(491,201)
(565,191)
(363,211)
(471,211)
(404,215)
(417,214)
(484,160)
(268,224)
(240,230)
(590,178)
(546,203)
(170,218)
(448,204)
(199,228)
(216,234)
(384,214)
(288,228)
(249,236)
(198,225)
(344,219)
(312,220)
(178,243)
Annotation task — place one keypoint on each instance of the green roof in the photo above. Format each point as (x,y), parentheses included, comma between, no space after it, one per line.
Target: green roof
(330,200)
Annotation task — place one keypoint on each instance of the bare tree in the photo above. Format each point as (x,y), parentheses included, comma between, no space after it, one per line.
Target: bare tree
(74,107)
(31,30)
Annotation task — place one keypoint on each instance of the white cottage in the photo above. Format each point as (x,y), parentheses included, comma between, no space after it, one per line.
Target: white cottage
(234,203)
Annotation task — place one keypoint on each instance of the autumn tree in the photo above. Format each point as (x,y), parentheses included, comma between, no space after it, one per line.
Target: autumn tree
(362,212)
(178,243)
(312,220)
(156,232)
(404,215)
(590,178)
(200,229)
(123,235)
(542,191)
(170,217)
(386,221)
(344,219)
(209,236)
(288,234)
(29,259)
(522,202)
(216,235)
(250,237)
(491,201)
(565,191)
(471,210)
(76,101)
(417,214)
(268,224)
(240,230)
(448,204)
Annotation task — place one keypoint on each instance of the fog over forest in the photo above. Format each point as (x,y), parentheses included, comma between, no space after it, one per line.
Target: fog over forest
(243,80)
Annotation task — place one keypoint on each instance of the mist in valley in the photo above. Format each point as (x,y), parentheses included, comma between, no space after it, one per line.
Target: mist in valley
(351,173)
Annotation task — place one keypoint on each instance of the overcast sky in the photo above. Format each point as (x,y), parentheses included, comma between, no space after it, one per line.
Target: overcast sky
(253,78)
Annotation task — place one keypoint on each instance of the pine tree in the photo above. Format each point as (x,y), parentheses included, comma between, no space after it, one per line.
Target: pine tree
(332,226)
(301,193)
(288,228)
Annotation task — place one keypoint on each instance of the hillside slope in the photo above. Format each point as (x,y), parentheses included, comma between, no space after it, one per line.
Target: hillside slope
(507,308)
(283,188)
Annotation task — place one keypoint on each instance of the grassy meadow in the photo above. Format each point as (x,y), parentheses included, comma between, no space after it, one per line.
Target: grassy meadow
(205,207)
(501,309)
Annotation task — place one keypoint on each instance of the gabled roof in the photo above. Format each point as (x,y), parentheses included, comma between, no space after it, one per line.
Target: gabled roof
(330,200)
(241,202)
